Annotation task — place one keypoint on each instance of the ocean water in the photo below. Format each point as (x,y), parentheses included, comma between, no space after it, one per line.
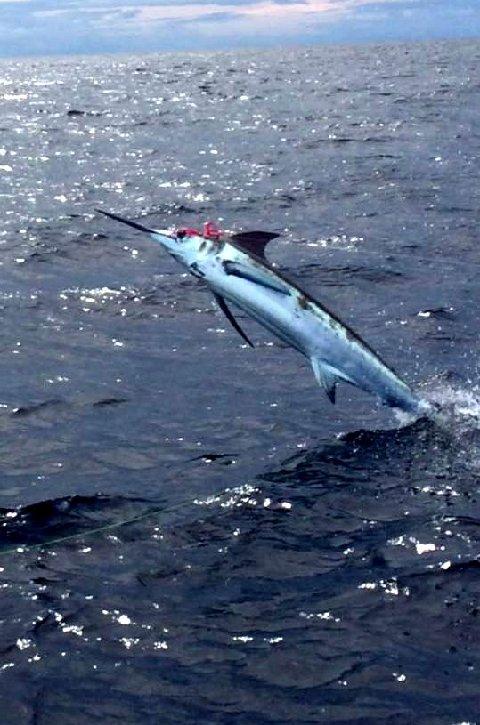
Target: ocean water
(189,531)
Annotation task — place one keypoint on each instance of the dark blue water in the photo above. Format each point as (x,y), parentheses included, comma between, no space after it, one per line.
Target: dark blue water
(190,532)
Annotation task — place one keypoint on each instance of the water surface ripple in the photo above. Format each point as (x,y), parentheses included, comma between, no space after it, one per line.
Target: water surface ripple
(189,532)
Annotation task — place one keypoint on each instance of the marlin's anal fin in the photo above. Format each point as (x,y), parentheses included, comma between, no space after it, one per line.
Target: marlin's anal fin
(223,306)
(326,378)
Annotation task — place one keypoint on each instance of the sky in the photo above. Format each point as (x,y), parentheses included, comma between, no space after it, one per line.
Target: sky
(46,27)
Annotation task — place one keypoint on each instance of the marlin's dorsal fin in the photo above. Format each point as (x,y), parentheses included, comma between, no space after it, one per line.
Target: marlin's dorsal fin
(223,306)
(254,242)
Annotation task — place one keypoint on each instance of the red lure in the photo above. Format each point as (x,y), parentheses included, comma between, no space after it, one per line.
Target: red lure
(210,231)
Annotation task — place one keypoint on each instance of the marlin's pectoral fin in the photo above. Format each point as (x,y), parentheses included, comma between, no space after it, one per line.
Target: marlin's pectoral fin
(223,306)
(257,276)
(326,377)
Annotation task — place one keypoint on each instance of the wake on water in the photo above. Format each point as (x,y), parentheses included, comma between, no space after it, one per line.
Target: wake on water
(455,417)
(445,445)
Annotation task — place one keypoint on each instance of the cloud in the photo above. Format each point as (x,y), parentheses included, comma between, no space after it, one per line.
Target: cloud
(267,9)
(66,26)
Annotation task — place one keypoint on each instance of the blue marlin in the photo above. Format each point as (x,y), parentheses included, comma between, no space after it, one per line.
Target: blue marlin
(235,269)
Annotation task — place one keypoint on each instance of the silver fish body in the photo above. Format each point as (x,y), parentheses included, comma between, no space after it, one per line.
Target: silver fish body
(337,354)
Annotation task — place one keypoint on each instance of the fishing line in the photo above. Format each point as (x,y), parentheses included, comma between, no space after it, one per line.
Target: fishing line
(27,548)
(90,532)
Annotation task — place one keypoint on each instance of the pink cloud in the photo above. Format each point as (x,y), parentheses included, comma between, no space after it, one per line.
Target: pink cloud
(265,9)
(268,9)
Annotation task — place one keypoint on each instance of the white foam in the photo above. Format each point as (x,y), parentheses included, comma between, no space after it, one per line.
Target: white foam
(452,408)
(456,413)
(459,408)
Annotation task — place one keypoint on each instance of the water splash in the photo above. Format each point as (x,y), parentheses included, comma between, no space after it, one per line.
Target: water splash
(456,415)
(459,408)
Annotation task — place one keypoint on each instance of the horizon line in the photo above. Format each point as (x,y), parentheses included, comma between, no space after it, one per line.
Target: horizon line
(247,48)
